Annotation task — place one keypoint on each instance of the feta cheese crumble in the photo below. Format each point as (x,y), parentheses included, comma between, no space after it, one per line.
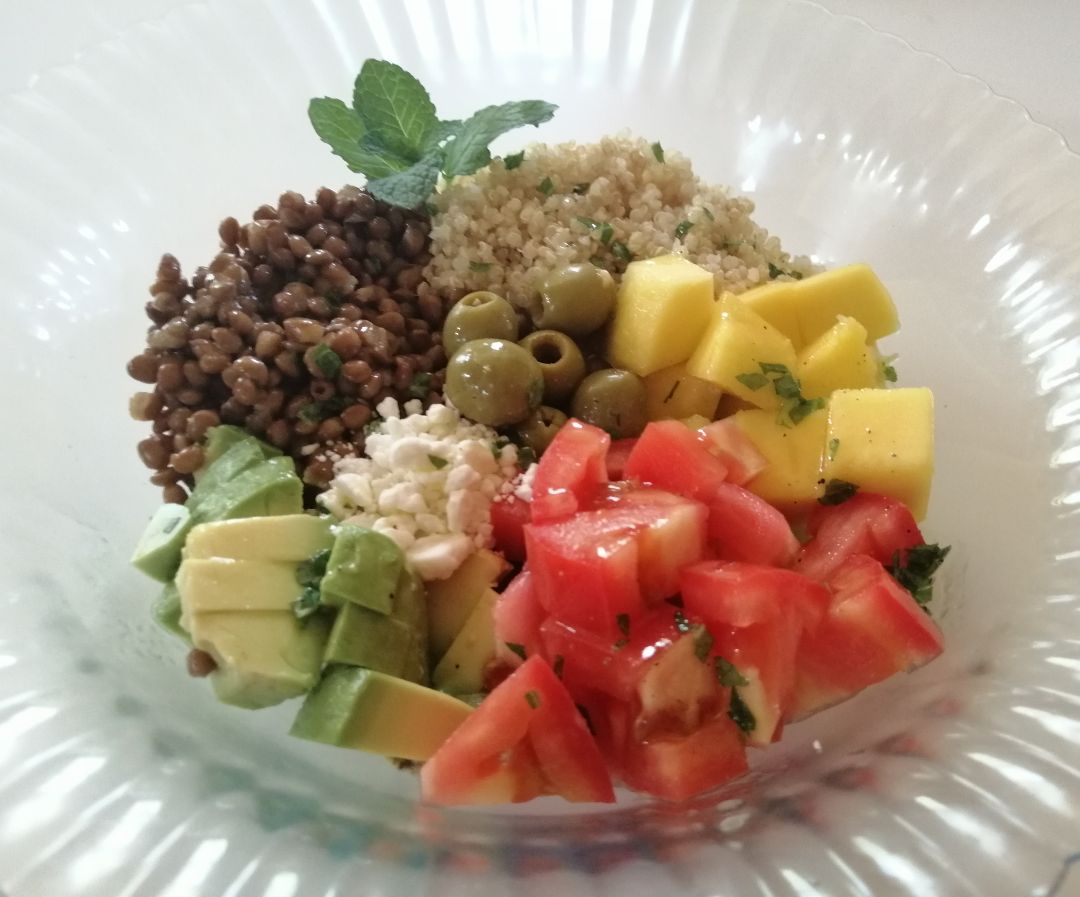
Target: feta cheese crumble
(427,483)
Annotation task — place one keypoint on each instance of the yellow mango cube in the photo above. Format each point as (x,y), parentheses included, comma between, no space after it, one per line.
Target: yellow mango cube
(882,440)
(735,343)
(794,454)
(661,308)
(804,309)
(673,393)
(841,358)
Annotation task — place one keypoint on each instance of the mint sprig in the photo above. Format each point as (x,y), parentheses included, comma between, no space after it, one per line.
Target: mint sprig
(393,136)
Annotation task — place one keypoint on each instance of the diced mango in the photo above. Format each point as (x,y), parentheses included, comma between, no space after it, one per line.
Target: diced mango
(672,393)
(662,306)
(883,441)
(841,358)
(803,310)
(792,477)
(735,343)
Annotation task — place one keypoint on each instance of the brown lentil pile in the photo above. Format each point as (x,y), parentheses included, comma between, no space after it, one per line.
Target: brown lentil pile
(308,317)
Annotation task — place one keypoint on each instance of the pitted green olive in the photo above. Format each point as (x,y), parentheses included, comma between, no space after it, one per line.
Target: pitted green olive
(494,382)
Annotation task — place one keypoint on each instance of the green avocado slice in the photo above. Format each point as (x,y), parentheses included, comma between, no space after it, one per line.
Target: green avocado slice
(157,553)
(364,568)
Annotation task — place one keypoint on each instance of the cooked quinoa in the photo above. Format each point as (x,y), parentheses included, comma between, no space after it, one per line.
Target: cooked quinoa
(503,229)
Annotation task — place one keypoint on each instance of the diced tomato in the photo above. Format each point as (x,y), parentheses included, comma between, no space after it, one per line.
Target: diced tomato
(730,593)
(757,616)
(669,455)
(671,535)
(745,527)
(680,767)
(518,617)
(866,523)
(509,515)
(526,735)
(618,452)
(873,629)
(727,440)
(570,471)
(585,570)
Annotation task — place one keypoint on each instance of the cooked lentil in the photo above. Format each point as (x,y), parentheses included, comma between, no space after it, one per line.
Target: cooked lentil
(309,316)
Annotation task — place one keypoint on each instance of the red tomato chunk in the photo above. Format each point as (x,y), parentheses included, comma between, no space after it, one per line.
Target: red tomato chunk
(571,471)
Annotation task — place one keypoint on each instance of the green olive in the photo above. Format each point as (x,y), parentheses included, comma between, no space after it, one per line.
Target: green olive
(494,382)
(560,360)
(539,428)
(613,400)
(479,315)
(577,299)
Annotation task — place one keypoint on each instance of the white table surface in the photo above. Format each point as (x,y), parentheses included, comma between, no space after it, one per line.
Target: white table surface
(1027,51)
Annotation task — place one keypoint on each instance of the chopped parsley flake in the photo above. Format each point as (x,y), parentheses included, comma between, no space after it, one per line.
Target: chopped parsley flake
(708,213)
(794,407)
(834,445)
(888,372)
(658,151)
(621,252)
(513,160)
(740,714)
(727,675)
(519,650)
(420,385)
(837,492)
(546,187)
(532,698)
(590,223)
(326,360)
(480,266)
(309,575)
(753,381)
(582,188)
(682,229)
(703,643)
(914,569)
(606,233)
(437,462)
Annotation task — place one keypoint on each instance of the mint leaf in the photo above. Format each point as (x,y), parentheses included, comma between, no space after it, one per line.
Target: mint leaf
(443,131)
(394,106)
(409,188)
(837,492)
(727,674)
(513,160)
(340,128)
(914,569)
(469,149)
(740,714)
(753,380)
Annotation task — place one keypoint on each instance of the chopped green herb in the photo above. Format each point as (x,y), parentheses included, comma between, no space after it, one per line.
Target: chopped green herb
(727,675)
(682,229)
(597,261)
(888,372)
(775,271)
(768,367)
(703,643)
(606,233)
(623,622)
(621,252)
(671,392)
(431,208)
(681,623)
(582,188)
(914,569)
(590,223)
(326,360)
(319,411)
(309,574)
(753,381)
(373,426)
(532,698)
(797,410)
(392,134)
(557,666)
(307,604)
(837,492)
(546,187)
(519,650)
(740,714)
(658,151)
(480,266)
(513,160)
(437,462)
(834,445)
(420,385)
(584,711)
(526,455)
(708,213)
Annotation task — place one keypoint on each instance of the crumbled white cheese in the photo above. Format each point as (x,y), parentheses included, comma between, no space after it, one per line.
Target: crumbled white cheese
(523,485)
(427,483)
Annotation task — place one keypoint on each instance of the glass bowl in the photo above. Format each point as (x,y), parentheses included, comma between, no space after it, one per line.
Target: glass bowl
(119,776)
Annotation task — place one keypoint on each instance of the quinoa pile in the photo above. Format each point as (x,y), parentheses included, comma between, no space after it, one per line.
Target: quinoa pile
(505,227)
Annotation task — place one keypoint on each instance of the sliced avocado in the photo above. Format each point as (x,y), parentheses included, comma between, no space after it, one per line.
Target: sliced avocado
(157,553)
(263,657)
(461,669)
(364,568)
(269,488)
(365,638)
(290,537)
(225,584)
(451,601)
(242,455)
(369,711)
(410,601)
(167,611)
(221,438)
